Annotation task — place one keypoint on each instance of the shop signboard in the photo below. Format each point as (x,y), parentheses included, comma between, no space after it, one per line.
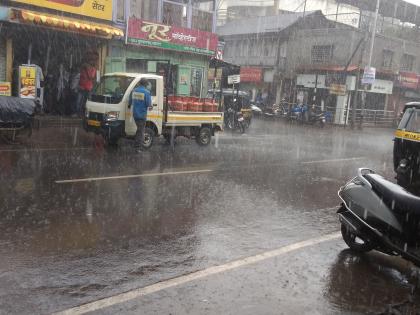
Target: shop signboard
(99,9)
(408,80)
(251,74)
(381,87)
(338,89)
(311,81)
(234,79)
(336,83)
(27,82)
(152,34)
(5,89)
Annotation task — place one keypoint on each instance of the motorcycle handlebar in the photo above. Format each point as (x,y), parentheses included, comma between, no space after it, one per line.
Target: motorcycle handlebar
(360,175)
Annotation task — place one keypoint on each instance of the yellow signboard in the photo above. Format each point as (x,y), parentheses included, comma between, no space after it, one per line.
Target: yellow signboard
(27,82)
(5,89)
(99,9)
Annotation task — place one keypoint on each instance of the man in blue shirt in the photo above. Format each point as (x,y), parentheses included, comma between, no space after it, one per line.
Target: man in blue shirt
(141,100)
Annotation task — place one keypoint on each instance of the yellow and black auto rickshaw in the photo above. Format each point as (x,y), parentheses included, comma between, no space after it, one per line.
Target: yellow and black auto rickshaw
(239,100)
(407,148)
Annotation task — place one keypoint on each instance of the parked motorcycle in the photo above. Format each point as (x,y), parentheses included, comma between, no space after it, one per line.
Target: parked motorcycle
(317,119)
(235,120)
(378,214)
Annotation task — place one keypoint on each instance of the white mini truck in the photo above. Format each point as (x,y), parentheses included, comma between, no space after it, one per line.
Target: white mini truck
(109,113)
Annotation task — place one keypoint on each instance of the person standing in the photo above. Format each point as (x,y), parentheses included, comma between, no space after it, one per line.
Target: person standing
(86,82)
(141,100)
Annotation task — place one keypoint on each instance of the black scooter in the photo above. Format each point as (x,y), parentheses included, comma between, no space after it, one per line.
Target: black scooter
(378,214)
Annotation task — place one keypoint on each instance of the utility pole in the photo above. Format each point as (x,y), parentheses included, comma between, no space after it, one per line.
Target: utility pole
(369,64)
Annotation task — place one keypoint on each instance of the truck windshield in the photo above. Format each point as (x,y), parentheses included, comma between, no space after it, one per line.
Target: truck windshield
(111,89)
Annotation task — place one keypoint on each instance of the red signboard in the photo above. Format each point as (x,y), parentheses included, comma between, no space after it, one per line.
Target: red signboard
(251,74)
(408,80)
(163,36)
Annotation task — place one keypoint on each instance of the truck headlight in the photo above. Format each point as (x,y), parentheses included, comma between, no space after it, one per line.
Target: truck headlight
(110,116)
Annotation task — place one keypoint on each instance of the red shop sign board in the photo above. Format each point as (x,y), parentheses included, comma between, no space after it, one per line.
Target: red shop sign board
(408,80)
(251,74)
(152,34)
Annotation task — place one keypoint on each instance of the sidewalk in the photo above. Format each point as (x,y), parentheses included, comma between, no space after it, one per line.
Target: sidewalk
(57,121)
(53,133)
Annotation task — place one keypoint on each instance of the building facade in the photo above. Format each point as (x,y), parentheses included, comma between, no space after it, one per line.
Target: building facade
(171,38)
(49,41)
(317,61)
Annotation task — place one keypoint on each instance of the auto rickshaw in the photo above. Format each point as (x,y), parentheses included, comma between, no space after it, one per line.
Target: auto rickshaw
(407,148)
(238,100)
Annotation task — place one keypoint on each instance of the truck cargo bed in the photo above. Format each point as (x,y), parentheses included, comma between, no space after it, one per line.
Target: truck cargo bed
(193,118)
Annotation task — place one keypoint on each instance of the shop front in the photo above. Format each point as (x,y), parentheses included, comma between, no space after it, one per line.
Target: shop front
(45,51)
(407,89)
(181,55)
(252,81)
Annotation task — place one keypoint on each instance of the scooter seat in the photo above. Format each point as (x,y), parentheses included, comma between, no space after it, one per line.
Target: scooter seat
(396,197)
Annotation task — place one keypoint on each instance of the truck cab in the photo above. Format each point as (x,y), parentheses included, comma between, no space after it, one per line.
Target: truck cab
(109,112)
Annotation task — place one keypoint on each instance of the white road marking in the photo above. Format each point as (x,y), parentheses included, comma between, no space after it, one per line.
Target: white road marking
(130,295)
(93,179)
(335,160)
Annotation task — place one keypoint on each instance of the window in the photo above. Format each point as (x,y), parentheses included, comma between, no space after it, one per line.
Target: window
(322,54)
(202,20)
(407,62)
(144,9)
(120,10)
(174,14)
(387,56)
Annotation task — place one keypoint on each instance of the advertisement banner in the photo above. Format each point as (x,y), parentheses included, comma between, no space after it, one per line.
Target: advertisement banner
(184,81)
(5,89)
(251,74)
(99,9)
(151,34)
(336,83)
(27,84)
(369,75)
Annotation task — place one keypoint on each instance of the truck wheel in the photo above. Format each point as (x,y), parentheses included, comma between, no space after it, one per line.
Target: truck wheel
(204,136)
(149,137)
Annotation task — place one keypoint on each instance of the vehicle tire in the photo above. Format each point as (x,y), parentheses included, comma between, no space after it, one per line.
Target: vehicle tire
(242,127)
(149,138)
(350,239)
(321,124)
(204,136)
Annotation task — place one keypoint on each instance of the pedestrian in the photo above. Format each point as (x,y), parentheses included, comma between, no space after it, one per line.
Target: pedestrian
(141,100)
(86,82)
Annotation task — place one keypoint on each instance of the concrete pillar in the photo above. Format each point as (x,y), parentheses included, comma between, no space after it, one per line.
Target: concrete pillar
(340,109)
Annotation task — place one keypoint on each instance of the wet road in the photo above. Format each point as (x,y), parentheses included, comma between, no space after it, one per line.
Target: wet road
(80,223)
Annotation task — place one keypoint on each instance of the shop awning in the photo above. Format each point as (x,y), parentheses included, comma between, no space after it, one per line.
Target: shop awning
(64,23)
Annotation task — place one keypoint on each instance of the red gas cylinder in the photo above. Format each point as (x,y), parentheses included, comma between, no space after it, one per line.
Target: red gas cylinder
(209,105)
